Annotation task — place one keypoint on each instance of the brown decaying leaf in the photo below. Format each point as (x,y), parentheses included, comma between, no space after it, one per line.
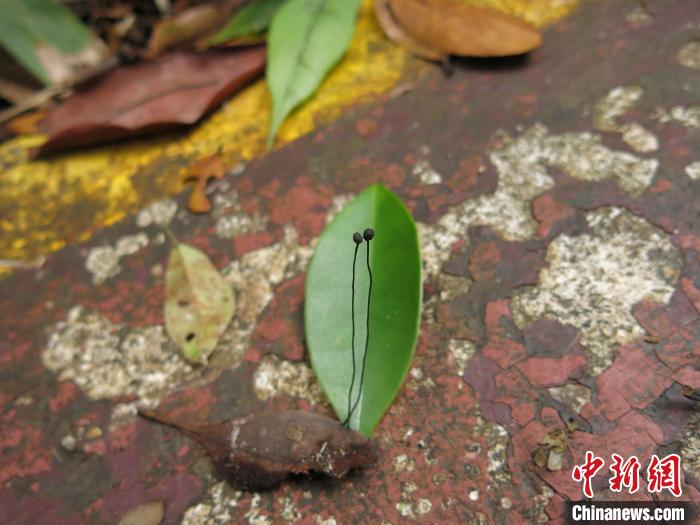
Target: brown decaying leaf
(393,30)
(151,513)
(184,27)
(259,451)
(210,167)
(451,28)
(174,91)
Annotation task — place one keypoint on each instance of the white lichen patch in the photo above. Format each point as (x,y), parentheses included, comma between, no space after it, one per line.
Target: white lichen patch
(255,516)
(639,138)
(593,280)
(452,286)
(497,454)
(276,376)
(609,109)
(522,175)
(539,504)
(403,463)
(103,261)
(231,219)
(689,55)
(575,396)
(320,520)
(107,360)
(686,116)
(693,170)
(690,447)
(614,105)
(425,173)
(253,278)
(407,507)
(289,511)
(461,351)
(216,508)
(159,213)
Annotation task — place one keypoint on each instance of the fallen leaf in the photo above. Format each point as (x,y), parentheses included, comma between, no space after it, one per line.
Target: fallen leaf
(146,514)
(452,28)
(182,27)
(48,40)
(395,305)
(176,90)
(259,451)
(251,20)
(396,34)
(198,302)
(211,167)
(26,124)
(306,39)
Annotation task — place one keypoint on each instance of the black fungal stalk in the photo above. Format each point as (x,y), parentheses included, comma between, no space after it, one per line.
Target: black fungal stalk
(357,238)
(368,235)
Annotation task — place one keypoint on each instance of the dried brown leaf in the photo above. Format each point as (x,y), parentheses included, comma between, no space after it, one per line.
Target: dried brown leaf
(396,34)
(183,27)
(258,451)
(174,91)
(451,28)
(210,167)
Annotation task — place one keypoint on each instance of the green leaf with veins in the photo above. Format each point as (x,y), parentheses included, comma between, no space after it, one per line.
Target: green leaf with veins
(251,20)
(306,39)
(394,311)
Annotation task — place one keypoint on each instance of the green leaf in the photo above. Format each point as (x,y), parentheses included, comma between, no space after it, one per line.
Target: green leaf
(198,302)
(252,19)
(394,311)
(306,39)
(27,26)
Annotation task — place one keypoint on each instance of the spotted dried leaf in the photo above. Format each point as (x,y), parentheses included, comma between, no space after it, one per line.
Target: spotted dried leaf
(451,28)
(259,451)
(198,302)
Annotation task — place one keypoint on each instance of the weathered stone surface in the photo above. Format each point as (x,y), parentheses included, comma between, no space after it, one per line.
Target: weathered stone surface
(555,238)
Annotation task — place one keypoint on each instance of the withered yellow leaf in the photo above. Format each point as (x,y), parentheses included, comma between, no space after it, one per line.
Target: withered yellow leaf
(198,302)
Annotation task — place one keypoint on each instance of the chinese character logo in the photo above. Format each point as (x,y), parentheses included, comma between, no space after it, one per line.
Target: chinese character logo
(665,474)
(587,471)
(624,474)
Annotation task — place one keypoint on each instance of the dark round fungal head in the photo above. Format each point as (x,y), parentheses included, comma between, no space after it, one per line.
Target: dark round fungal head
(357,237)
(369,234)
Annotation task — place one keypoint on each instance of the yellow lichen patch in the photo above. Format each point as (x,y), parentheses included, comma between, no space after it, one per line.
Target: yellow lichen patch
(46,204)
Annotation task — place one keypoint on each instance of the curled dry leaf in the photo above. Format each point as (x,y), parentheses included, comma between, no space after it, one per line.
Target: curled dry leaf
(258,451)
(174,91)
(210,167)
(198,302)
(450,28)
(396,34)
(151,513)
